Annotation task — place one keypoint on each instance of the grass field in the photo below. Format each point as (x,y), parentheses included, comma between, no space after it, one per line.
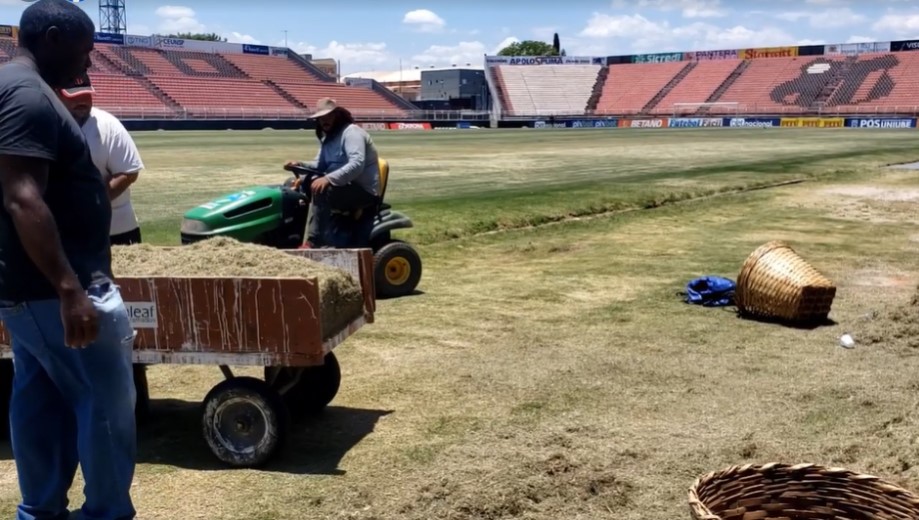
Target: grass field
(551,371)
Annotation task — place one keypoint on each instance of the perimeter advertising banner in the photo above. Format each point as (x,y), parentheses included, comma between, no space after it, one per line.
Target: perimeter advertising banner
(111,38)
(696,122)
(710,55)
(849,49)
(662,122)
(542,60)
(813,122)
(662,57)
(859,122)
(904,45)
(767,52)
(9,31)
(593,123)
(409,126)
(752,122)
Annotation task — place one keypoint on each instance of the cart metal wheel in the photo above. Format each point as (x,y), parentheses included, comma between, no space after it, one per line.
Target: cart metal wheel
(244,422)
(314,389)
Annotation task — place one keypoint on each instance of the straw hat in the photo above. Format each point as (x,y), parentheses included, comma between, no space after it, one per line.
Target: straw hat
(323,107)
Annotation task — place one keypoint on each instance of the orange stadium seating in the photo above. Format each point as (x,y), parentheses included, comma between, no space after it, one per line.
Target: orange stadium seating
(144,82)
(868,83)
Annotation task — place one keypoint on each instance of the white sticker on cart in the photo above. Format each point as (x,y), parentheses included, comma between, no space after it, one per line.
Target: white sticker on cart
(142,314)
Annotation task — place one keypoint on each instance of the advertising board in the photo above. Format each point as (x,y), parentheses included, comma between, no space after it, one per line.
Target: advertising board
(540,60)
(879,122)
(597,123)
(813,122)
(904,45)
(751,122)
(849,49)
(767,52)
(409,126)
(6,31)
(278,51)
(256,49)
(373,126)
(644,123)
(546,124)
(661,57)
(710,55)
(112,38)
(695,122)
(138,41)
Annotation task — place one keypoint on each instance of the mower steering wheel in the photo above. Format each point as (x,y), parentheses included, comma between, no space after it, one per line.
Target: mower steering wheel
(302,171)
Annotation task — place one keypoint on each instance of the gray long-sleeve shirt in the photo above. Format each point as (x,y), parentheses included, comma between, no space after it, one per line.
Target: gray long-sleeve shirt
(350,156)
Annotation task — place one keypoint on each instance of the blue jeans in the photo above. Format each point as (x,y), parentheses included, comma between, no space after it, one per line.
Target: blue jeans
(70,407)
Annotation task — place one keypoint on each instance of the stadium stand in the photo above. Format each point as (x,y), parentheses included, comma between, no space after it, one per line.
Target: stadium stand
(547,89)
(696,87)
(632,86)
(137,82)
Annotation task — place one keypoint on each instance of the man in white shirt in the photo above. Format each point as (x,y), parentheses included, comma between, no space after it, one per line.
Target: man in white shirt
(113,152)
(115,155)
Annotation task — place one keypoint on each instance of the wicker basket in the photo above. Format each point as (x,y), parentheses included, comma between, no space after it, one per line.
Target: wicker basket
(776,283)
(781,491)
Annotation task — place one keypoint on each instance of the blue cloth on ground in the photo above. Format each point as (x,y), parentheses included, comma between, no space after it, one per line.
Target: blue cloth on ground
(710,291)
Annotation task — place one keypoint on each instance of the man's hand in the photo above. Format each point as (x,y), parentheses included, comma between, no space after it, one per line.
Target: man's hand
(320,185)
(289,165)
(81,321)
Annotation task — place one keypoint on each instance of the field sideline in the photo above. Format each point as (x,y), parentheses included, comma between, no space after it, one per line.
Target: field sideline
(551,371)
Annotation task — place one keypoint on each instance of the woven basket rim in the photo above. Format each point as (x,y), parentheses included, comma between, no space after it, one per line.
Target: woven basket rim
(704,513)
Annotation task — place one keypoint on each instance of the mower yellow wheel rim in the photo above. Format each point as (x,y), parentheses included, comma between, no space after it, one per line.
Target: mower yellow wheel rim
(398,270)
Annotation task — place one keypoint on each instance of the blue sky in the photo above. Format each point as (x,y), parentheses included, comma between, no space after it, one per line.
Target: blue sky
(374,36)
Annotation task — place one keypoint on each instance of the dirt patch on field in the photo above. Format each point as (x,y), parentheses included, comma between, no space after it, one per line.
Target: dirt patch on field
(340,295)
(895,325)
(863,203)
(875,193)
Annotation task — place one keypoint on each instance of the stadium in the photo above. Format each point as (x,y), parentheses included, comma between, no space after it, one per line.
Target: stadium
(548,365)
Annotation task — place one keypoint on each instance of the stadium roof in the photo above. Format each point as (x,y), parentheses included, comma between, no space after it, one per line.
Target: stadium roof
(405,75)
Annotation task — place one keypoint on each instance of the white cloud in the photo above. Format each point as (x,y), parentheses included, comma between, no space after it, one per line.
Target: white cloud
(460,54)
(688,8)
(235,37)
(353,56)
(635,33)
(899,24)
(826,19)
(424,20)
(178,19)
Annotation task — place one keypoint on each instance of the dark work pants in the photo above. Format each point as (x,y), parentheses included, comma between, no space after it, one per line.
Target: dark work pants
(127,238)
(348,198)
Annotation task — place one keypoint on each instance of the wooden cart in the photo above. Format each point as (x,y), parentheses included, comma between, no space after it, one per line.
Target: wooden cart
(269,322)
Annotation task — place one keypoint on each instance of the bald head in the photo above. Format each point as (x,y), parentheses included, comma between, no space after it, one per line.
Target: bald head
(59,36)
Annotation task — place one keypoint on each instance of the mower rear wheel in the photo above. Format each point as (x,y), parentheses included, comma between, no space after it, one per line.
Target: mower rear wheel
(396,269)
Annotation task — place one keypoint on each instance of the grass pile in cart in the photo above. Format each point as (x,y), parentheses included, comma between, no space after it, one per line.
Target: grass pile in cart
(339,293)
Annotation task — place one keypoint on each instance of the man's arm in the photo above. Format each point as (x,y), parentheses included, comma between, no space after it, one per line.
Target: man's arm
(23,182)
(356,149)
(123,159)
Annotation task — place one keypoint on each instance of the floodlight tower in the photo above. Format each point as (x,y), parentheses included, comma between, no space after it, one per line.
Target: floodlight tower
(112,17)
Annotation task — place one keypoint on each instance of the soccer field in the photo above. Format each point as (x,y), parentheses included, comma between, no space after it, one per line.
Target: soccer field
(548,369)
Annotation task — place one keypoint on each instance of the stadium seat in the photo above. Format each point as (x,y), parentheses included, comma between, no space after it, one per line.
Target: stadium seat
(631,86)
(698,85)
(548,89)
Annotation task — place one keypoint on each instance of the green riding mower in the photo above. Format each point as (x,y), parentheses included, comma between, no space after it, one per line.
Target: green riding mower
(275,216)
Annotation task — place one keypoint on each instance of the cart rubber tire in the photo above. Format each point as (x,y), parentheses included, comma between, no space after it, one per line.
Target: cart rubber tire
(316,388)
(244,422)
(142,408)
(396,269)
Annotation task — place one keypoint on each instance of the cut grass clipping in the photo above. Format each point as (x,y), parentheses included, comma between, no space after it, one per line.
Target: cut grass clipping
(897,326)
(340,296)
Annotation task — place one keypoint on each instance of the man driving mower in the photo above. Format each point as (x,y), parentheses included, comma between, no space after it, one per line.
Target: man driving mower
(350,173)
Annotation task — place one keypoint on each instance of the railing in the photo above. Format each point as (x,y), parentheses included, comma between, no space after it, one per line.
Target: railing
(857,110)
(218,113)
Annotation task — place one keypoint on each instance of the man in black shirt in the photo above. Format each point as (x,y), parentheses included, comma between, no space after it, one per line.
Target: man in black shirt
(73,395)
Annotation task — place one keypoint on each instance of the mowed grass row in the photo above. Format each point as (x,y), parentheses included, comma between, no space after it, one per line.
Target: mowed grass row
(458,183)
(554,372)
